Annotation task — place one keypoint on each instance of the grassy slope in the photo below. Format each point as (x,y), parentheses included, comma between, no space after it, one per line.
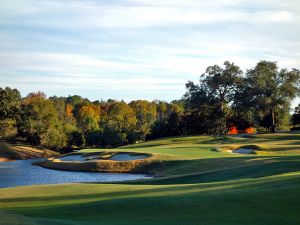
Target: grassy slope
(198,186)
(16,151)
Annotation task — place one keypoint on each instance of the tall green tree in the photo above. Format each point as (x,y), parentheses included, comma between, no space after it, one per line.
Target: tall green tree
(203,114)
(222,82)
(270,90)
(10,101)
(208,104)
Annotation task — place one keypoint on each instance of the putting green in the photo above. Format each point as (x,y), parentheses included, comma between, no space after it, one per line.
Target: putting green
(195,184)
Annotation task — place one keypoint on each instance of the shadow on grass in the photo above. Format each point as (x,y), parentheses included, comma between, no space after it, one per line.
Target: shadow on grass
(237,168)
(232,139)
(137,146)
(183,205)
(206,180)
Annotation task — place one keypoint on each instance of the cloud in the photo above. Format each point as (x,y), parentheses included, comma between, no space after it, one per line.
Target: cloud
(105,83)
(150,47)
(142,14)
(63,63)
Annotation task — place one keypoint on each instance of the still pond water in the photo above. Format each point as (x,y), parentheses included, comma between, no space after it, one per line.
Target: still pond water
(22,172)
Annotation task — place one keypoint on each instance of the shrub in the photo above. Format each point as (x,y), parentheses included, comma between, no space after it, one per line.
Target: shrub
(76,138)
(295,129)
(8,128)
(53,138)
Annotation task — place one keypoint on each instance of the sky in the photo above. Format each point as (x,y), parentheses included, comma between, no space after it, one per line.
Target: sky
(138,49)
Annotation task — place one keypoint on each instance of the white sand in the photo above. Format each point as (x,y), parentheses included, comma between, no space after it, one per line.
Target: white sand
(127,157)
(244,151)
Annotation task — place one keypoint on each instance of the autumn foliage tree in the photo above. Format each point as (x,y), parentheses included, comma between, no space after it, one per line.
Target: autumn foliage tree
(88,117)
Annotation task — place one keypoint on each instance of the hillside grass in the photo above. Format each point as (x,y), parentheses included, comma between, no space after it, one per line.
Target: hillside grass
(198,182)
(16,151)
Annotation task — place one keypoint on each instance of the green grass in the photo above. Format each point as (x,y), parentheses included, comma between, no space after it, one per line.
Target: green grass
(195,186)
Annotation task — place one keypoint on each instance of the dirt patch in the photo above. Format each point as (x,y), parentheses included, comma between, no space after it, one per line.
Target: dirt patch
(5,160)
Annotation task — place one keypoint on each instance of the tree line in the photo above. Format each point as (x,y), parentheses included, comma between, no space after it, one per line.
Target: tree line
(225,97)
(65,122)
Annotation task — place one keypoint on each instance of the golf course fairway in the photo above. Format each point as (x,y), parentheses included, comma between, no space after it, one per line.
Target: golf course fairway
(198,180)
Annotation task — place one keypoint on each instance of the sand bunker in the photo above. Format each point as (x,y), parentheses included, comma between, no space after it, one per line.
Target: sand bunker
(77,157)
(127,157)
(244,151)
(97,157)
(118,162)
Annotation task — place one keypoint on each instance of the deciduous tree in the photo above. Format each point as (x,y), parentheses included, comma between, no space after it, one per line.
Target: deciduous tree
(271,90)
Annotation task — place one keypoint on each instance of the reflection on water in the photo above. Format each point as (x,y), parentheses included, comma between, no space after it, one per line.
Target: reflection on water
(22,172)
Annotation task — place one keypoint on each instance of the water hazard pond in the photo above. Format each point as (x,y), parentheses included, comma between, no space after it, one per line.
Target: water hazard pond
(22,172)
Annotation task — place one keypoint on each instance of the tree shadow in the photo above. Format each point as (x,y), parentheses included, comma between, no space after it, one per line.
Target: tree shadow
(265,166)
